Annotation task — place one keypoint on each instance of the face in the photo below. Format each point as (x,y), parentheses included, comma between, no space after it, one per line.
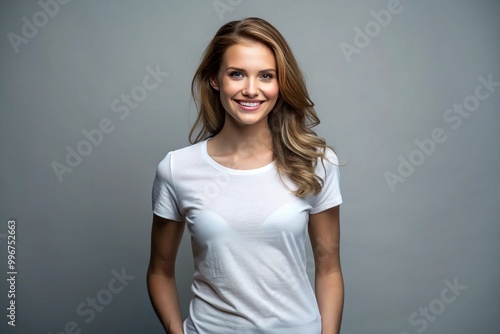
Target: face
(247,82)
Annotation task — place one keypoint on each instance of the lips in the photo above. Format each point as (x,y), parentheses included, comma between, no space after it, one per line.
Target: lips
(249,105)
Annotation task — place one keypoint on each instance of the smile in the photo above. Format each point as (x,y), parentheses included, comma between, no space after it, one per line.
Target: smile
(249,105)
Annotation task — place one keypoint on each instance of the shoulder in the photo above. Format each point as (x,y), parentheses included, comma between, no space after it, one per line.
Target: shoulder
(181,156)
(331,156)
(177,163)
(327,163)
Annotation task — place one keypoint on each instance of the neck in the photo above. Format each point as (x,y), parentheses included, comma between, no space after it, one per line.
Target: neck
(248,139)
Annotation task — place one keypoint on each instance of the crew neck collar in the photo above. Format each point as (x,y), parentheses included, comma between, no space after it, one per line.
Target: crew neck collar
(228,170)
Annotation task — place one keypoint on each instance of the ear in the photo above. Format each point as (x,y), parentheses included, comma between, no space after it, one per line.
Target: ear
(214,83)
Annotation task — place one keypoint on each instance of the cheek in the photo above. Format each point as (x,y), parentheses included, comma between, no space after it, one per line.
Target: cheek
(230,87)
(273,91)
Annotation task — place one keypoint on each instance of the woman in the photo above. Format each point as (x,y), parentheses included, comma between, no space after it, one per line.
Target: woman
(254,184)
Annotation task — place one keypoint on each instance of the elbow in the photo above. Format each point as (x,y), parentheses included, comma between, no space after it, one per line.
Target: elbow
(328,269)
(166,270)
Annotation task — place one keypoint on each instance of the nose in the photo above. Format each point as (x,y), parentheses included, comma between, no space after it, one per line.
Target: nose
(251,89)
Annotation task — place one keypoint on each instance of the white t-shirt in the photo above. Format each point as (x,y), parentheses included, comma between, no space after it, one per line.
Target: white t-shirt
(248,234)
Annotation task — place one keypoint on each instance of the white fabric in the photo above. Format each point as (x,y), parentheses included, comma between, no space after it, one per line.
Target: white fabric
(248,235)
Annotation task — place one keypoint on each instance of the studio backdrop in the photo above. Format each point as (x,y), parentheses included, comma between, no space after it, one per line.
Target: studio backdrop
(94,94)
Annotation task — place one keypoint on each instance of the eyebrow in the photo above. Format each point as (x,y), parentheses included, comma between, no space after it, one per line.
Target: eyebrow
(242,70)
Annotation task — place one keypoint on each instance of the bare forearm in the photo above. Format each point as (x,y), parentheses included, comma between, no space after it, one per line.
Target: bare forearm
(330,296)
(164,297)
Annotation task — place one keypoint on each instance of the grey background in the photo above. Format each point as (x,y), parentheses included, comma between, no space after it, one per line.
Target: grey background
(398,247)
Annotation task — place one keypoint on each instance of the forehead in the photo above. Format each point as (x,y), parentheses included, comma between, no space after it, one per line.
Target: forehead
(249,54)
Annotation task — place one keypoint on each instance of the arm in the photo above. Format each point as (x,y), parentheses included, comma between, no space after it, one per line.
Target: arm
(166,236)
(324,232)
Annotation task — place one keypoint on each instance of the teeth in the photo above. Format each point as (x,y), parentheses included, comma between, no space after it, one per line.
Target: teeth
(249,104)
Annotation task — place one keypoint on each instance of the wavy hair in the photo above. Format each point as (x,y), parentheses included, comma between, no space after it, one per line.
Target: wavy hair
(296,147)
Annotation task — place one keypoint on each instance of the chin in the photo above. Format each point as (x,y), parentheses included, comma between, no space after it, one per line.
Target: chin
(248,120)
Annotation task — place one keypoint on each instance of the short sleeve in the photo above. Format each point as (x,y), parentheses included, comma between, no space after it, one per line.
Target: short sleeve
(164,197)
(330,195)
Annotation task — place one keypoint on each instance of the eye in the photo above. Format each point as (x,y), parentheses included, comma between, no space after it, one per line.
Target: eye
(267,76)
(236,74)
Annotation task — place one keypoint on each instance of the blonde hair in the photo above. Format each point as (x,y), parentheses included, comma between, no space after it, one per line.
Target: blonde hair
(296,147)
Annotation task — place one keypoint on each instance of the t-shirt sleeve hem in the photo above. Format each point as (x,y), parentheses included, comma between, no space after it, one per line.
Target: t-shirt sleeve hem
(168,215)
(327,205)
